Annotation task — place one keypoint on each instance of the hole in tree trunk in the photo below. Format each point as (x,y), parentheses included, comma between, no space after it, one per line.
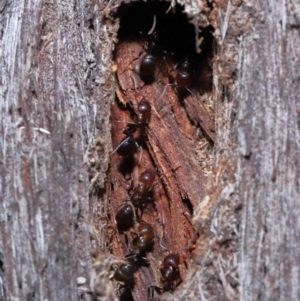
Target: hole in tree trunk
(169,137)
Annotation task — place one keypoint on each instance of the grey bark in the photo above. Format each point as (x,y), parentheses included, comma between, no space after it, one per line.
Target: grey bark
(268,166)
(54,111)
(56,89)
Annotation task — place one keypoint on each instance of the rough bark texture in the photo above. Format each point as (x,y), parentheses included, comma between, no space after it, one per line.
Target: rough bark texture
(55,104)
(56,91)
(268,166)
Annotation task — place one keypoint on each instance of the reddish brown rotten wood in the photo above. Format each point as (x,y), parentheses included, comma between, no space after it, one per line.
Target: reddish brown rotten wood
(169,146)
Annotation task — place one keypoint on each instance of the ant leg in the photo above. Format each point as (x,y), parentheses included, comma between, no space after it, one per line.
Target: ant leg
(164,91)
(178,282)
(127,122)
(128,186)
(159,69)
(141,154)
(162,234)
(172,4)
(130,256)
(151,290)
(127,67)
(193,241)
(175,67)
(134,213)
(144,260)
(164,60)
(192,93)
(134,82)
(164,174)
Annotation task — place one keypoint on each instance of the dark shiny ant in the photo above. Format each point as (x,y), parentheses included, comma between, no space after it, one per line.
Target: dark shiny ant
(124,275)
(129,145)
(148,63)
(125,217)
(144,185)
(125,272)
(170,275)
(142,242)
(184,77)
(170,272)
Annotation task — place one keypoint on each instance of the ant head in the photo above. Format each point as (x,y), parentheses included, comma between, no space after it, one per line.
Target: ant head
(144,107)
(148,177)
(143,112)
(186,65)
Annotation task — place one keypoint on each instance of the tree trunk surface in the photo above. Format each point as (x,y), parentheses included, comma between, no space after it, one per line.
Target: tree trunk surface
(58,177)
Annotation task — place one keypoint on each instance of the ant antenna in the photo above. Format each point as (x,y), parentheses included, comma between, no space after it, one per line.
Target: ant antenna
(170,7)
(134,81)
(153,26)
(192,93)
(164,91)
(124,141)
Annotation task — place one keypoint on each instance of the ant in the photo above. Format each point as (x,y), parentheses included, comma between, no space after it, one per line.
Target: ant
(148,63)
(125,217)
(170,275)
(124,273)
(142,242)
(144,185)
(170,272)
(129,145)
(184,77)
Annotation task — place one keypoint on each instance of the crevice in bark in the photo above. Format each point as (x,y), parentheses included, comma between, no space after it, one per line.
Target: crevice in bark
(178,141)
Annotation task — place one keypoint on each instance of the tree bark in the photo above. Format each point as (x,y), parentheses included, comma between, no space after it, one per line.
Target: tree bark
(268,154)
(57,88)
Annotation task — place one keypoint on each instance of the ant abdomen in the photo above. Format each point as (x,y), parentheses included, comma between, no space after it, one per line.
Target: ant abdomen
(124,273)
(147,177)
(148,65)
(143,240)
(125,216)
(171,260)
(127,147)
(184,76)
(146,181)
(169,271)
(143,113)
